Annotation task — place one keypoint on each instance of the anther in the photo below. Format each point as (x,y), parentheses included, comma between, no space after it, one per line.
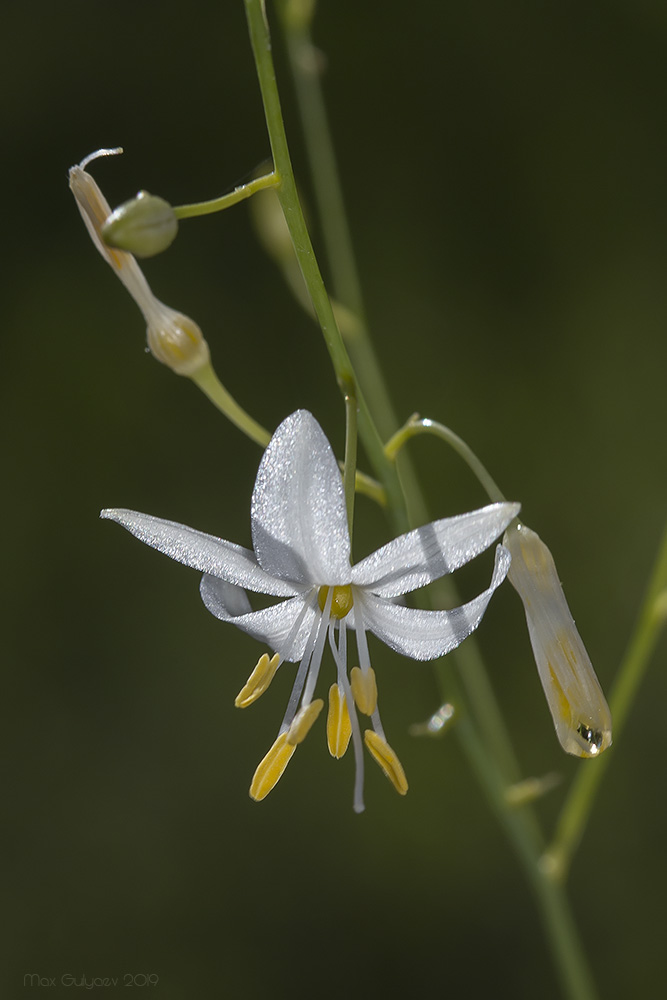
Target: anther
(270,769)
(383,754)
(339,727)
(365,689)
(258,681)
(303,721)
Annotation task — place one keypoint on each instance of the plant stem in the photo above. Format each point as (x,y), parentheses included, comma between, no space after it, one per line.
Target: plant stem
(239,193)
(417,425)
(289,200)
(579,803)
(552,903)
(209,383)
(350,457)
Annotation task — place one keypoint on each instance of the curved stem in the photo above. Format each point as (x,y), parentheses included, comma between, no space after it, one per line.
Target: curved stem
(239,193)
(418,425)
(209,383)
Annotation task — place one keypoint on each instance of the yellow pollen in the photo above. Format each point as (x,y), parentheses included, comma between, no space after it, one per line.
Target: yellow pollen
(365,689)
(387,759)
(258,681)
(270,769)
(303,720)
(341,602)
(339,728)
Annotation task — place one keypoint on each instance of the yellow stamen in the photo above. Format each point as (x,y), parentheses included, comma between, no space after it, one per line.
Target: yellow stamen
(303,720)
(271,768)
(258,681)
(341,601)
(387,759)
(365,689)
(339,728)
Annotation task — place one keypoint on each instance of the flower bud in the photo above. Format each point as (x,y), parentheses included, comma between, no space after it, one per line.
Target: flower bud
(176,341)
(145,226)
(576,702)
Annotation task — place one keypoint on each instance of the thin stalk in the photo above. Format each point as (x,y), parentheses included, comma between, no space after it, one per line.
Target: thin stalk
(239,193)
(350,457)
(289,200)
(560,930)
(579,803)
(418,425)
(338,245)
(209,383)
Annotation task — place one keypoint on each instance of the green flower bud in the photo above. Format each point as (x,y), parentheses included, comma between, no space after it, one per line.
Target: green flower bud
(145,226)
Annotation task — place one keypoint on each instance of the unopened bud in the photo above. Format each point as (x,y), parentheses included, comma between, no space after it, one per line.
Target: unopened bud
(145,226)
(176,341)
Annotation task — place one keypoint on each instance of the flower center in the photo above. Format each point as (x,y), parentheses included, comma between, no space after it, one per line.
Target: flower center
(341,601)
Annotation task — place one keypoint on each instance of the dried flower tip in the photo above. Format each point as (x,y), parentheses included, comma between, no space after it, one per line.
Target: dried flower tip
(145,226)
(576,702)
(173,338)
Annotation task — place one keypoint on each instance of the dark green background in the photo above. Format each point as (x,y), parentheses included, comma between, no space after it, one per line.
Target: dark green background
(504,167)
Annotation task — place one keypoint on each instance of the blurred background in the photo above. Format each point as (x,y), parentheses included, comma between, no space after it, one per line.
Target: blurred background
(504,168)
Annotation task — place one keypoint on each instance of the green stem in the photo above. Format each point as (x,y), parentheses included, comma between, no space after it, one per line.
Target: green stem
(350,457)
(239,193)
(303,57)
(579,803)
(416,425)
(552,903)
(289,200)
(211,386)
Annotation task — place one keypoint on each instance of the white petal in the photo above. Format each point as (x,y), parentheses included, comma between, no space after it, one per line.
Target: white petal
(425,635)
(270,625)
(299,523)
(426,554)
(203,552)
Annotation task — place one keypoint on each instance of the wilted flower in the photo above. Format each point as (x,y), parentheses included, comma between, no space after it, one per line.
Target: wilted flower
(302,553)
(174,339)
(578,706)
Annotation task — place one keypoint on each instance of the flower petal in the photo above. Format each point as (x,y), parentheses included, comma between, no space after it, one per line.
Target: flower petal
(204,552)
(299,522)
(425,635)
(426,554)
(270,625)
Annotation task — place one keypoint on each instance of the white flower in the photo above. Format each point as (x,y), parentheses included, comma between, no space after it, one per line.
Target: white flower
(576,702)
(302,553)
